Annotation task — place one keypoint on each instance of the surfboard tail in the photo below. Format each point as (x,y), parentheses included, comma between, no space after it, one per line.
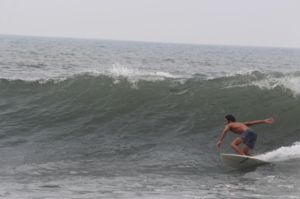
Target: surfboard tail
(241,161)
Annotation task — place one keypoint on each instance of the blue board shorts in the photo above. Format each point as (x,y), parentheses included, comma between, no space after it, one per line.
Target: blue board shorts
(249,138)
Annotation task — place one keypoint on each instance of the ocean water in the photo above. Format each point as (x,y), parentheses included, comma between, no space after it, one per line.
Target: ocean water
(113,119)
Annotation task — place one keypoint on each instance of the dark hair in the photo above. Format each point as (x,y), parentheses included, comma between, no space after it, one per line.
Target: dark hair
(230,118)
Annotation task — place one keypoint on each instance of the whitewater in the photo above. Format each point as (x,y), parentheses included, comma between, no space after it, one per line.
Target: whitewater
(84,118)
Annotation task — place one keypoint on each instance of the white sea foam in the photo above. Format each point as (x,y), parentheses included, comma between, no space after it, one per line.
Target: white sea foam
(282,154)
(134,74)
(289,82)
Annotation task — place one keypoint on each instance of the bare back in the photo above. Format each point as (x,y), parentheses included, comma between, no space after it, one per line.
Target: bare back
(237,127)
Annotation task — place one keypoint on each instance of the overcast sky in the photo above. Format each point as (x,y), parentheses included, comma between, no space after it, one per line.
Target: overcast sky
(229,22)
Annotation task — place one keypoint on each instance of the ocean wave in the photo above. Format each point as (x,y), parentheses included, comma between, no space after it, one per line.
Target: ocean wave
(269,81)
(287,82)
(92,114)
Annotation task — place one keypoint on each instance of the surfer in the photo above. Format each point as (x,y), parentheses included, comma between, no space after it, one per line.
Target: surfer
(248,136)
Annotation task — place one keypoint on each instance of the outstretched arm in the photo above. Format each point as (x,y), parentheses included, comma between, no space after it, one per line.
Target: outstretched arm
(266,121)
(221,139)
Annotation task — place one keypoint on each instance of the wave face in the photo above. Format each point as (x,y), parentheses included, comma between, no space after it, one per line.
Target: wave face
(98,115)
(107,108)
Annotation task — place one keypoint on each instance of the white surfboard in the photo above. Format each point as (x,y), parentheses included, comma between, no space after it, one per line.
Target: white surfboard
(241,161)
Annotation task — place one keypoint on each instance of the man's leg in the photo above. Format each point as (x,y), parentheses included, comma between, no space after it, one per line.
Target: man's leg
(235,145)
(246,151)
(249,142)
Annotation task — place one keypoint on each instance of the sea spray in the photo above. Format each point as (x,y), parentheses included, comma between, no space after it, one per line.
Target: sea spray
(282,154)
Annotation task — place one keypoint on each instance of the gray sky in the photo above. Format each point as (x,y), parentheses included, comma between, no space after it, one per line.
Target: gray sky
(229,22)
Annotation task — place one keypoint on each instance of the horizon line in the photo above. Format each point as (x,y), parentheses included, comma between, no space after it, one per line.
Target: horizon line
(144,41)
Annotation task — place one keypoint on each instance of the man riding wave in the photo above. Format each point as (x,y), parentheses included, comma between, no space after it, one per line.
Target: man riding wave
(248,136)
